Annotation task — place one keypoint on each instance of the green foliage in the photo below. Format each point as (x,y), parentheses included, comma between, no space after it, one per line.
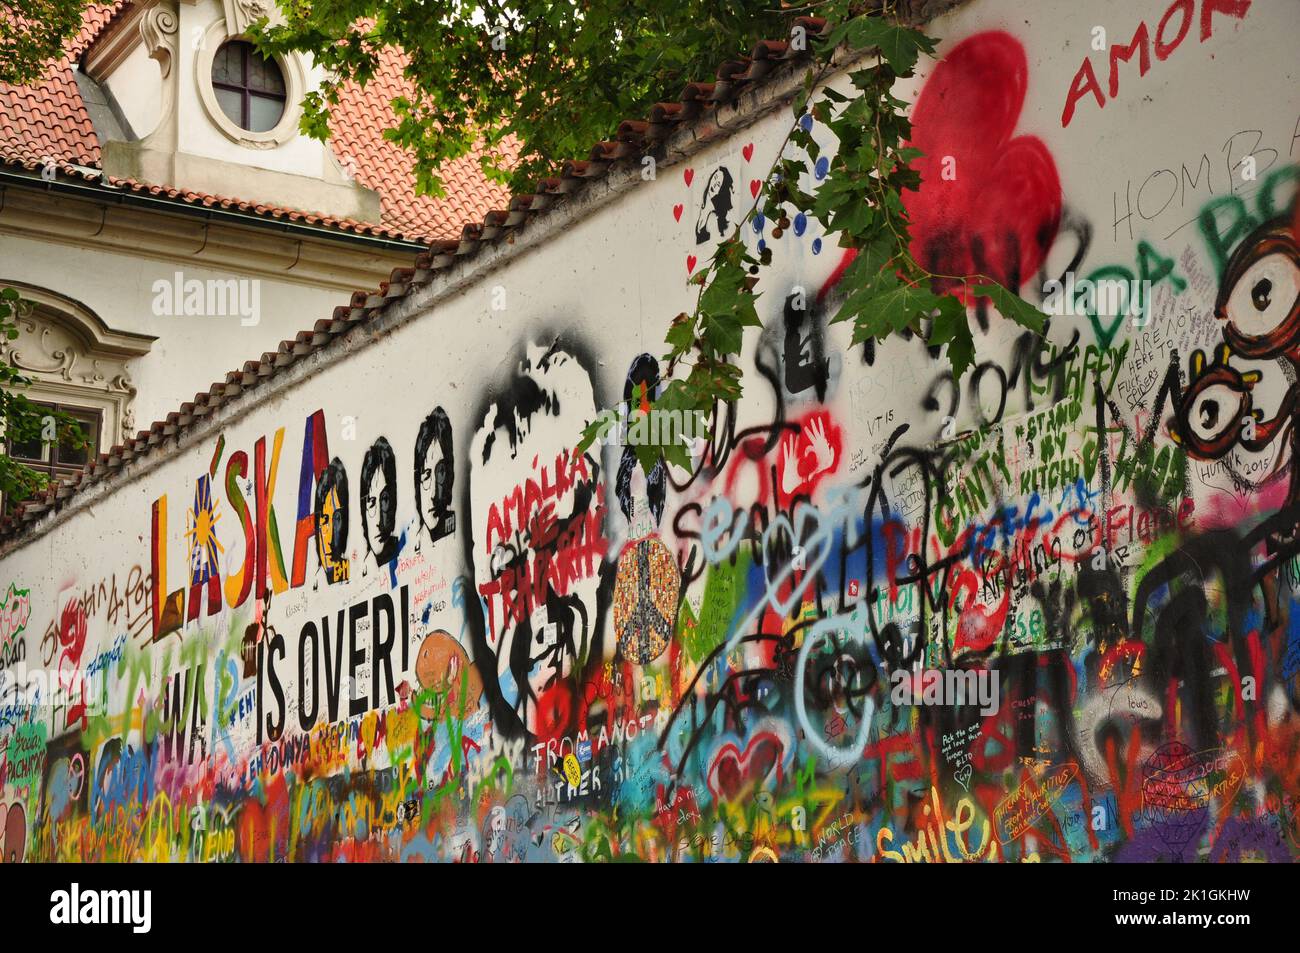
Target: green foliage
(884,290)
(32,33)
(553,76)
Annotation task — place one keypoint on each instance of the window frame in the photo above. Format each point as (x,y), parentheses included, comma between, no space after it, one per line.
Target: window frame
(93,420)
(246,90)
(293,71)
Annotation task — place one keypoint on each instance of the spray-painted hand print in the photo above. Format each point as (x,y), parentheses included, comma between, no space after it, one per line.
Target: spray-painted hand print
(807,456)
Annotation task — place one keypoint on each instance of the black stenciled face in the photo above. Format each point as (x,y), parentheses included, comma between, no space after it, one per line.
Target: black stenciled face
(378,512)
(379,500)
(434,475)
(715,207)
(433,482)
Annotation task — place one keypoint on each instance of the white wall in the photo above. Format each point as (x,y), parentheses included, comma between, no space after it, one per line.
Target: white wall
(192,351)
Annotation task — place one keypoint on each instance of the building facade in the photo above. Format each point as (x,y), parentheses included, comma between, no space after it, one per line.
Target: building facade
(165,219)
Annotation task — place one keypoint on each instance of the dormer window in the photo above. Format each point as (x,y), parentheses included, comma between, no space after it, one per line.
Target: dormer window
(256,101)
(249,88)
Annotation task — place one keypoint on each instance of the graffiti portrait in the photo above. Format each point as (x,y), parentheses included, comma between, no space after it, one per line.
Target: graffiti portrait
(537,544)
(1223,411)
(435,473)
(714,221)
(332,522)
(379,501)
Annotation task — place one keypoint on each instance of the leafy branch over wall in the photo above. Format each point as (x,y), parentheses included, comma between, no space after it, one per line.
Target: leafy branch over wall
(884,290)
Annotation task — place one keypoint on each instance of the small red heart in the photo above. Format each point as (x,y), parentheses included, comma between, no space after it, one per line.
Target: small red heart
(688,174)
(754,186)
(690,263)
(748,152)
(677,212)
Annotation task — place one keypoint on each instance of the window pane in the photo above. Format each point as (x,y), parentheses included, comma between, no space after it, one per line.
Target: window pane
(266,113)
(32,449)
(232,104)
(264,75)
(72,456)
(226,66)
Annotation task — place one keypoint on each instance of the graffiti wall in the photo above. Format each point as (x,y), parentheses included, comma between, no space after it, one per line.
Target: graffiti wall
(1048,613)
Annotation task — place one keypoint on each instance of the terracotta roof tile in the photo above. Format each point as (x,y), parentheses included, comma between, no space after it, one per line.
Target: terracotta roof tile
(357,125)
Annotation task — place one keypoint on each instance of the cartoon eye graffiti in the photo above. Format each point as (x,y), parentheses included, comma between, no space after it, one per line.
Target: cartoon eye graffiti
(1216,410)
(1215,407)
(1265,295)
(1260,294)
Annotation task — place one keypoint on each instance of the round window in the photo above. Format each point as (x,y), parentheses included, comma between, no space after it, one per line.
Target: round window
(249,87)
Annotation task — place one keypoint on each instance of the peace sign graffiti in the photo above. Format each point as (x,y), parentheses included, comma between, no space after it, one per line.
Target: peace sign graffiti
(645,600)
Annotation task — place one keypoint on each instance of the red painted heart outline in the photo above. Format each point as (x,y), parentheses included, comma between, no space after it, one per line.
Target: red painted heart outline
(733,773)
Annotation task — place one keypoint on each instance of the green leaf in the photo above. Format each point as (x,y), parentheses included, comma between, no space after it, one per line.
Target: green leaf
(647,455)
(899,46)
(681,334)
(679,455)
(961,350)
(948,319)
(1013,307)
(589,434)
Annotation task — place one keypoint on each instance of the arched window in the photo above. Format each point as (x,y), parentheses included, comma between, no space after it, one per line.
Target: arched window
(77,364)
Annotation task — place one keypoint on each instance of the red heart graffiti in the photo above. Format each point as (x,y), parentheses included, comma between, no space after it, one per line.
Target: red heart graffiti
(734,774)
(688,174)
(677,212)
(754,186)
(13,833)
(989,202)
(748,152)
(690,263)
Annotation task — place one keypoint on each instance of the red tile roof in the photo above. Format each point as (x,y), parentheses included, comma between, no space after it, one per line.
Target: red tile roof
(48,121)
(695,109)
(357,126)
